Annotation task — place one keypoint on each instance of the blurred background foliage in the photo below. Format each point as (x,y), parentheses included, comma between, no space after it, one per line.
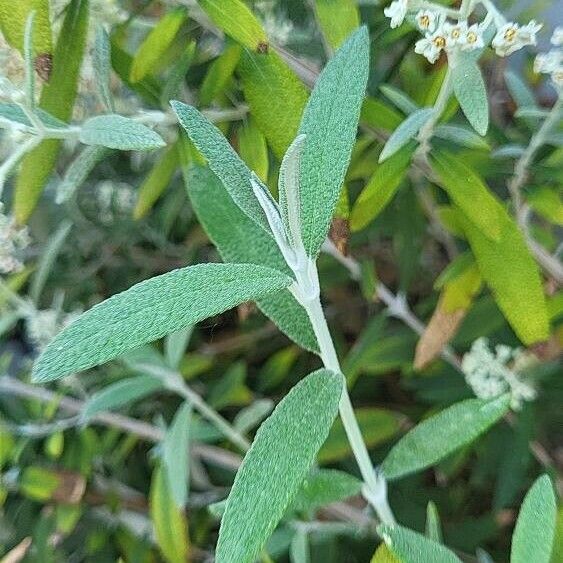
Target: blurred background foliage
(86,486)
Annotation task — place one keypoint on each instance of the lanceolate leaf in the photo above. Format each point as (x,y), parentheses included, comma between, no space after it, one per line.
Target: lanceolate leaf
(13,17)
(405,132)
(222,159)
(239,239)
(438,436)
(381,188)
(236,20)
(117,132)
(469,88)
(266,78)
(412,547)
(469,193)
(175,454)
(535,527)
(156,43)
(220,72)
(170,525)
(330,121)
(152,309)
(57,98)
(121,393)
(272,471)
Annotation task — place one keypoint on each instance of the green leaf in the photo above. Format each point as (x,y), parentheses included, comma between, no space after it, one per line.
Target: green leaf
(220,73)
(156,182)
(175,454)
(433,526)
(57,99)
(535,527)
(438,436)
(330,121)
(253,149)
(170,525)
(222,159)
(155,45)
(150,310)
(381,188)
(469,193)
(265,78)
(102,67)
(376,425)
(238,22)
(272,471)
(411,547)
(337,19)
(469,89)
(117,132)
(399,98)
(78,171)
(405,132)
(239,239)
(13,17)
(461,136)
(378,115)
(299,547)
(118,394)
(13,112)
(323,487)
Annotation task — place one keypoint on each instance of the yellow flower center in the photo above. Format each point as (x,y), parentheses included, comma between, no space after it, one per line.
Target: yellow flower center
(456,33)
(510,34)
(424,22)
(471,37)
(439,42)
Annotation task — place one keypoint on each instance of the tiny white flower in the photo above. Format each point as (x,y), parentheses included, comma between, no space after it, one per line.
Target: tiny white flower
(431,45)
(397,11)
(455,33)
(547,62)
(511,37)
(557,37)
(426,20)
(473,38)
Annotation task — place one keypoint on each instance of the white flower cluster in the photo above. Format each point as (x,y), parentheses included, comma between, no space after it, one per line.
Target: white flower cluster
(113,198)
(278,29)
(13,241)
(510,37)
(42,326)
(489,376)
(443,35)
(552,62)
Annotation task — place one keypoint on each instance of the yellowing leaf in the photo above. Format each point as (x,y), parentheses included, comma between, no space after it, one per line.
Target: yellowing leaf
(237,21)
(170,525)
(220,72)
(383,555)
(266,78)
(13,17)
(155,44)
(253,149)
(337,19)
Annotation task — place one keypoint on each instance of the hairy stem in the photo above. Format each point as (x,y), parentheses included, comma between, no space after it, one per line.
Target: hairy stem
(373,483)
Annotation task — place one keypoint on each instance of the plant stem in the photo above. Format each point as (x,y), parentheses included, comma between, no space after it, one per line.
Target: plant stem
(425,134)
(374,484)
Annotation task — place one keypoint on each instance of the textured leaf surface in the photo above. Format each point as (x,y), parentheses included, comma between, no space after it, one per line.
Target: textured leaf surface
(57,98)
(411,547)
(118,132)
(324,486)
(175,454)
(13,17)
(469,193)
(272,471)
(330,121)
(436,437)
(222,159)
(150,310)
(337,19)
(220,72)
(239,239)
(469,88)
(381,188)
(405,132)
(266,78)
(156,43)
(253,149)
(535,527)
(170,525)
(236,20)
(119,394)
